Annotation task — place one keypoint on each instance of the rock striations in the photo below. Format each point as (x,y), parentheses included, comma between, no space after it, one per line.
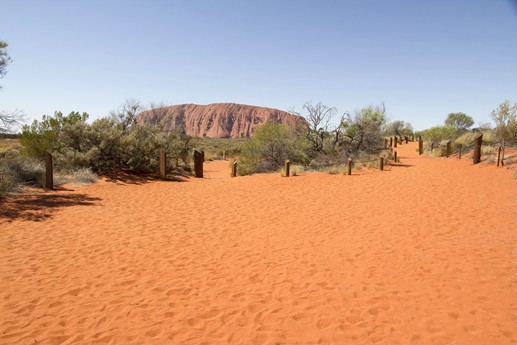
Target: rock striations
(219,120)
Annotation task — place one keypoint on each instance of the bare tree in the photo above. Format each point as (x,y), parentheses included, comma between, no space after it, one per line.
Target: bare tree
(126,115)
(318,117)
(10,121)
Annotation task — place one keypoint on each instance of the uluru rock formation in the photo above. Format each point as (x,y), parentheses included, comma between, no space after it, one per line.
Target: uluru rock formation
(219,120)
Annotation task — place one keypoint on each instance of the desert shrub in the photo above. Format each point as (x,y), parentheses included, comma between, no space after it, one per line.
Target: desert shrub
(437,134)
(43,135)
(327,145)
(398,128)
(512,132)
(487,150)
(115,139)
(84,176)
(367,159)
(179,148)
(364,131)
(18,170)
(8,182)
(336,169)
(141,148)
(466,139)
(214,147)
(268,149)
(505,118)
(488,137)
(59,179)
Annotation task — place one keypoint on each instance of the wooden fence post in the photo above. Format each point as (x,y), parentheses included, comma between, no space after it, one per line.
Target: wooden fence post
(476,157)
(234,169)
(224,155)
(349,166)
(448,153)
(395,141)
(381,164)
(499,155)
(203,155)
(459,155)
(395,156)
(420,145)
(432,147)
(198,164)
(391,142)
(406,138)
(287,164)
(163,164)
(49,173)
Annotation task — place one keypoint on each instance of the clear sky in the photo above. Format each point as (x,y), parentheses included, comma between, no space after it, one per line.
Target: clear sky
(423,59)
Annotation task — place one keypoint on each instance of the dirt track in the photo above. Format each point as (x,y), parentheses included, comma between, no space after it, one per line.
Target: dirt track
(421,254)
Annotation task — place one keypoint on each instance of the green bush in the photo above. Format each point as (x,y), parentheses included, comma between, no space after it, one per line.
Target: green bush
(269,148)
(437,134)
(116,139)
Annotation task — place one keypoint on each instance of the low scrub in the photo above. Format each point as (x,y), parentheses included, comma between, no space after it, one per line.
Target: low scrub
(110,141)
(271,145)
(16,171)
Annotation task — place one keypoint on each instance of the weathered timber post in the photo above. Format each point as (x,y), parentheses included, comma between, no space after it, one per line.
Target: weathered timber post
(476,157)
(395,156)
(395,141)
(391,142)
(49,173)
(287,164)
(406,138)
(420,145)
(163,164)
(448,153)
(224,155)
(381,163)
(198,164)
(499,155)
(349,166)
(234,169)
(459,154)
(203,154)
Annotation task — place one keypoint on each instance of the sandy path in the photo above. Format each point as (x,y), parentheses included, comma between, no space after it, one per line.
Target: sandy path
(420,254)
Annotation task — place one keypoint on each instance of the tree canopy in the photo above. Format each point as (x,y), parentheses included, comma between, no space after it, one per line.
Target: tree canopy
(460,121)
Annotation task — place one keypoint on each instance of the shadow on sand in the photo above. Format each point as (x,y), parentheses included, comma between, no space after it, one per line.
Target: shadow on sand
(140,179)
(37,207)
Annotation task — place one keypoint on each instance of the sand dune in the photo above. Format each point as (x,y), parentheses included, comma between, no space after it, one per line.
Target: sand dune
(421,254)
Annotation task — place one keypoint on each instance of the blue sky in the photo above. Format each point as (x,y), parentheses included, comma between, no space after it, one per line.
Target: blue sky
(423,59)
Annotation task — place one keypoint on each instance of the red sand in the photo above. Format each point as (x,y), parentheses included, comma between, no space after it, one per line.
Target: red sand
(420,254)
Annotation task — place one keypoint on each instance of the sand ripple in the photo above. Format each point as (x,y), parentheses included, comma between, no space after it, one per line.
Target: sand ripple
(421,254)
